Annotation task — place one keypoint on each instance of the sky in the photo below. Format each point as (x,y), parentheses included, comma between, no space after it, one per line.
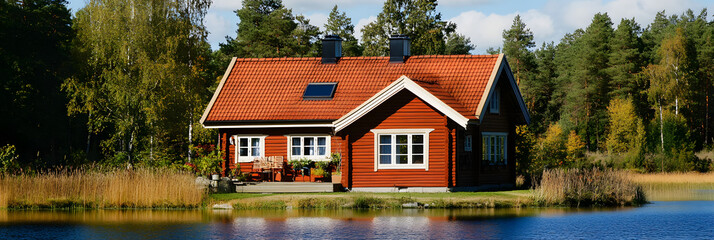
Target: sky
(481,20)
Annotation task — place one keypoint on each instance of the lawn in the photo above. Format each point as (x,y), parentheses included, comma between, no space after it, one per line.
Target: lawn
(513,198)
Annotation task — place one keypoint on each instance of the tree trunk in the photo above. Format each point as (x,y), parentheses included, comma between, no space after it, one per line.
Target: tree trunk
(661,125)
(190,136)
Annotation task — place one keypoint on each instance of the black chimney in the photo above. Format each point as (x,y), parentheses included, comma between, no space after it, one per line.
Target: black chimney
(331,49)
(399,48)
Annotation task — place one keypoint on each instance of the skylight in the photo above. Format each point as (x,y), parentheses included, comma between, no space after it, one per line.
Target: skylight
(319,91)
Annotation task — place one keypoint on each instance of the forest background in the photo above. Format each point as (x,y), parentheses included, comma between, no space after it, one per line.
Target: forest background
(125,81)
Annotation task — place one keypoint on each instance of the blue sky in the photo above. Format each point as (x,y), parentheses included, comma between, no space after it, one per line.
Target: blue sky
(481,20)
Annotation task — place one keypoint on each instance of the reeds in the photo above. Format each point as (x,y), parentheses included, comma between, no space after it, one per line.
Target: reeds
(676,186)
(96,188)
(589,187)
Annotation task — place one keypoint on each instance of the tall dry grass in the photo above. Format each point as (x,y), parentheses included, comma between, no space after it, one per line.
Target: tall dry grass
(138,188)
(589,187)
(676,186)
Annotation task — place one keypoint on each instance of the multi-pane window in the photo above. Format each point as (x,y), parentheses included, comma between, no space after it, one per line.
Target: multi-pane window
(312,147)
(248,148)
(494,148)
(495,101)
(468,143)
(407,149)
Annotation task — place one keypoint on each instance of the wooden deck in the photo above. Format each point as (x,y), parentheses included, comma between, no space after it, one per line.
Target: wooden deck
(287,187)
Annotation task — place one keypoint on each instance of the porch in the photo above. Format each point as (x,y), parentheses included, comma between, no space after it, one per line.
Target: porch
(277,169)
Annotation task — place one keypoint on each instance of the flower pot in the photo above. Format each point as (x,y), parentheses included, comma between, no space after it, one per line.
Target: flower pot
(336,178)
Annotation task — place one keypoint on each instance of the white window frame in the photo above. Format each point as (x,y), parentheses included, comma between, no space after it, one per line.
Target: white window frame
(410,132)
(486,149)
(328,150)
(249,158)
(495,104)
(468,143)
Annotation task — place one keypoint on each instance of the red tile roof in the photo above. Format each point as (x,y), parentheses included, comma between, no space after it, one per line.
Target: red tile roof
(271,89)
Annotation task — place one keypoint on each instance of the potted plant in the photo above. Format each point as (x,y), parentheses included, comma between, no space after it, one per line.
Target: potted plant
(320,173)
(301,167)
(336,162)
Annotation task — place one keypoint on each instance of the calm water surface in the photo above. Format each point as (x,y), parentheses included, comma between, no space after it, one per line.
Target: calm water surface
(659,220)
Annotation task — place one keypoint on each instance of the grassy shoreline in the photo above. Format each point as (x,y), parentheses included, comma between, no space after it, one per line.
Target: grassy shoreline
(169,189)
(352,200)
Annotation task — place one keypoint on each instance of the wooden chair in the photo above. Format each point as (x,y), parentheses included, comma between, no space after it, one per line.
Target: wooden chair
(257,172)
(277,166)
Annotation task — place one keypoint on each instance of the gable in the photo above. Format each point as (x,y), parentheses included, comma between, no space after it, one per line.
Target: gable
(403,83)
(503,73)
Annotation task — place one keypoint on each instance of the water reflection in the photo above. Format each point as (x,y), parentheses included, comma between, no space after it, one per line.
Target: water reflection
(678,219)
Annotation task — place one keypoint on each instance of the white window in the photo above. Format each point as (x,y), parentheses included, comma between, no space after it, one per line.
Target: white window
(401,148)
(468,143)
(495,101)
(248,148)
(311,147)
(494,148)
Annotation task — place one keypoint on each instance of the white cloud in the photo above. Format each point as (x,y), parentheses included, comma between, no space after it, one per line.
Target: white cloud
(219,27)
(463,2)
(326,5)
(226,5)
(318,19)
(361,23)
(487,30)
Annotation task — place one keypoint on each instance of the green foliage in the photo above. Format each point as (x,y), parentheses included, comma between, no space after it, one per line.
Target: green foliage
(9,159)
(368,202)
(551,149)
(525,152)
(574,148)
(208,161)
(339,24)
(34,60)
(586,97)
(516,43)
(268,29)
(417,19)
(458,44)
(626,132)
(142,79)
(299,164)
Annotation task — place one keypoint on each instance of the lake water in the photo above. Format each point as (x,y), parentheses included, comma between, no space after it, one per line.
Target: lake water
(658,220)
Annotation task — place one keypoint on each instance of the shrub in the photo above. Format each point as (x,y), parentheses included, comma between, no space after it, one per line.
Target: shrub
(368,202)
(9,159)
(207,160)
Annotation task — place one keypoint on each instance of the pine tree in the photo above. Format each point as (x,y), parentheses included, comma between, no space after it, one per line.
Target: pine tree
(516,42)
(339,24)
(417,19)
(457,44)
(586,107)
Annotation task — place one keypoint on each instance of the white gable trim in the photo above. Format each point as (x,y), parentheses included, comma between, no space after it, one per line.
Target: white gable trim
(500,67)
(218,91)
(382,96)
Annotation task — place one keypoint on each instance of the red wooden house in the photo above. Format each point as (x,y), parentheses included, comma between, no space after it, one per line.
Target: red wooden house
(414,123)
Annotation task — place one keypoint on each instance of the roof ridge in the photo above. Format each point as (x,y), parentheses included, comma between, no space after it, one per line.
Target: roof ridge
(361,58)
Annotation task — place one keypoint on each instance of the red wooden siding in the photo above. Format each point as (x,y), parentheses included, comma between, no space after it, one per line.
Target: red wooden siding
(404,110)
